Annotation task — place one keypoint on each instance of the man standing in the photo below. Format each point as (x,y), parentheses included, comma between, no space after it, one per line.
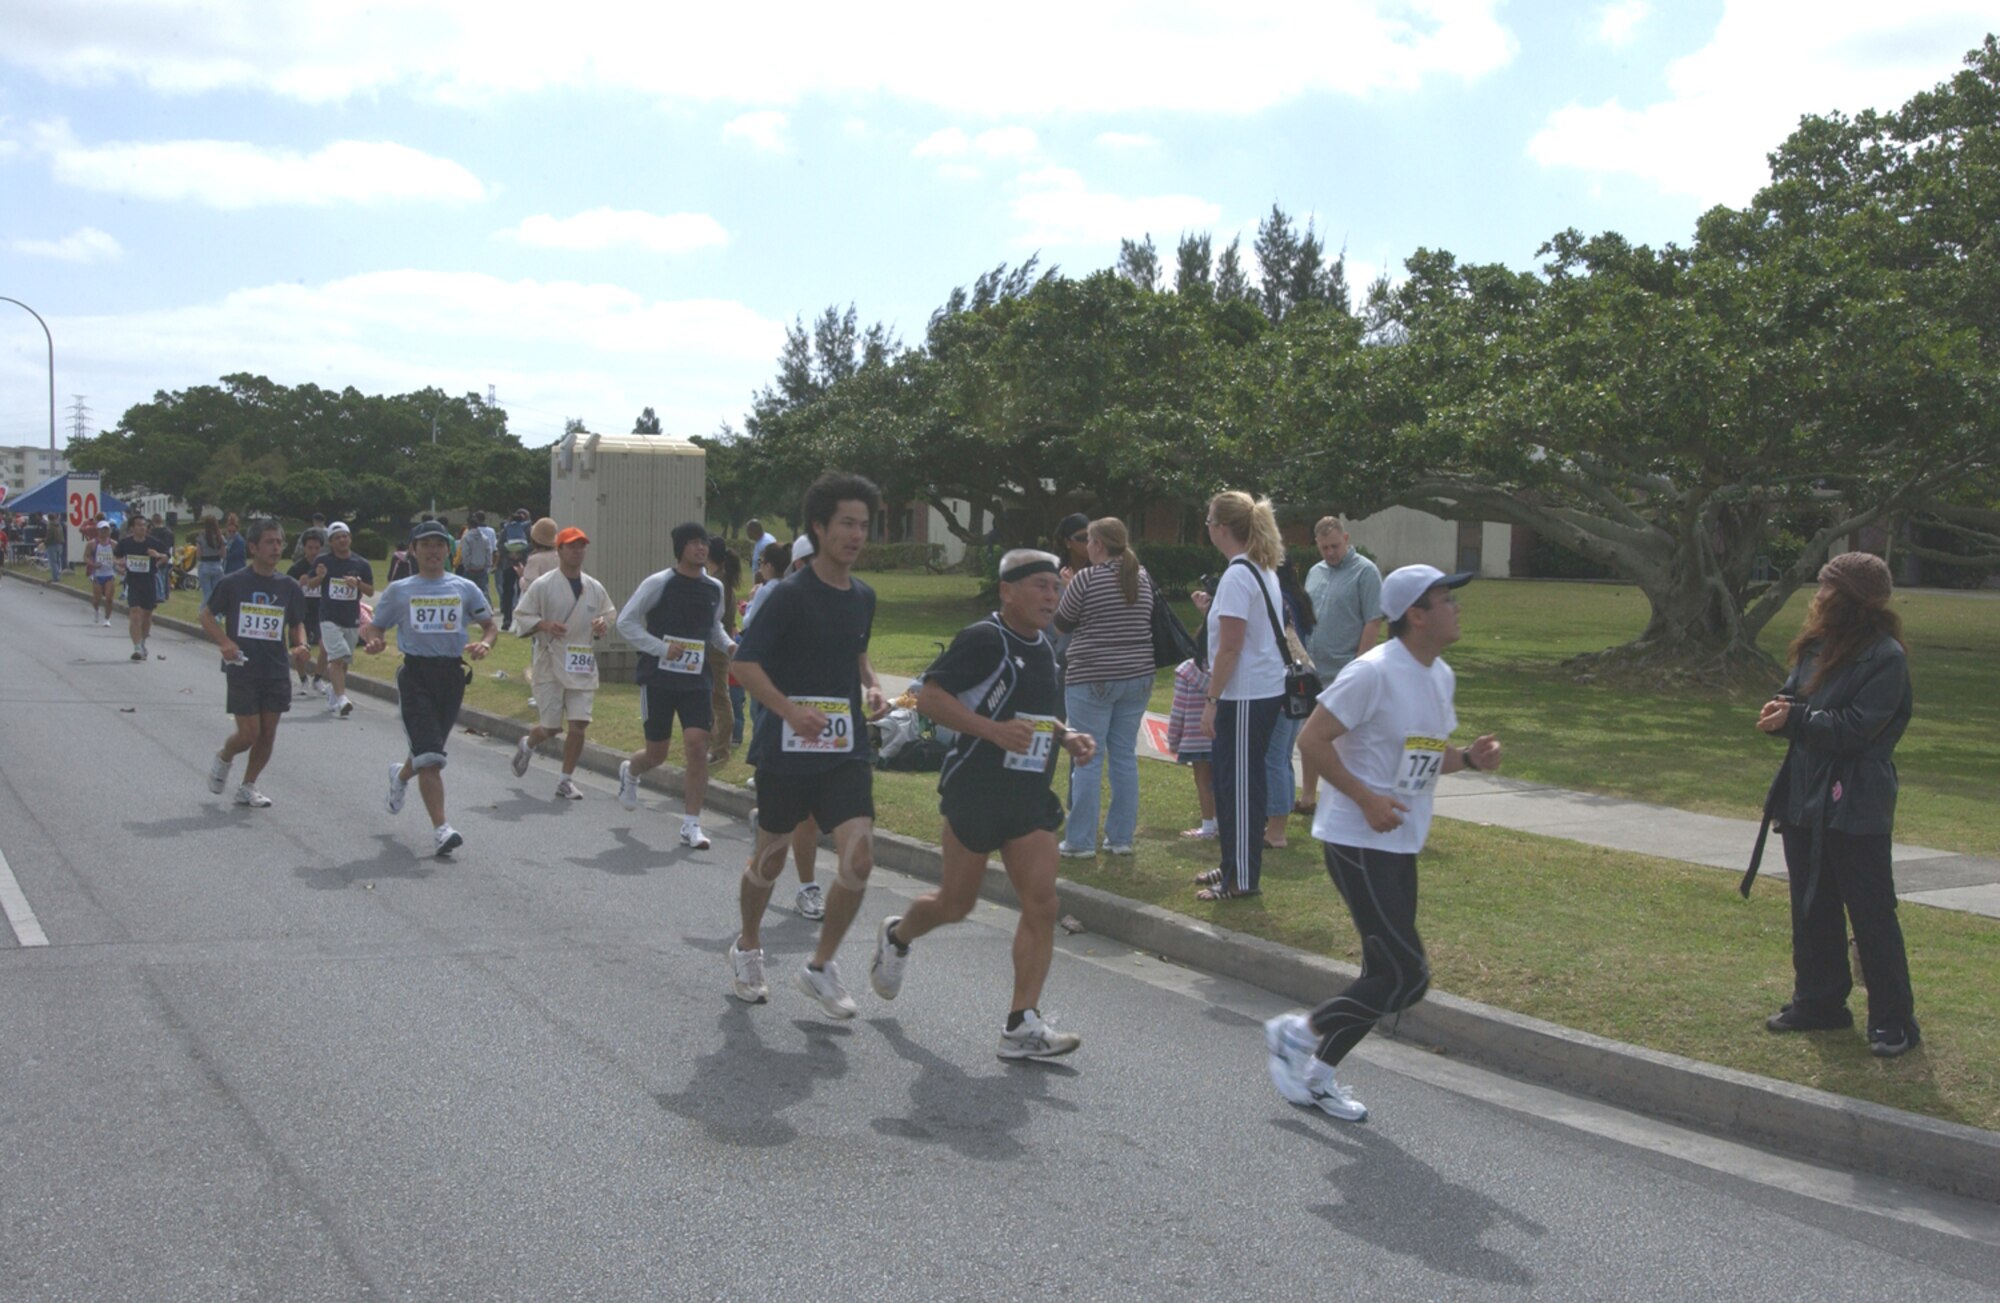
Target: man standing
(1381,736)
(1345,590)
(344,580)
(163,575)
(995,686)
(753,529)
(514,544)
(806,660)
(475,551)
(55,545)
(565,612)
(674,621)
(430,612)
(140,557)
(252,616)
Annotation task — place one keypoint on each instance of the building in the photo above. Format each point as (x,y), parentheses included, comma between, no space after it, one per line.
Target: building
(25,466)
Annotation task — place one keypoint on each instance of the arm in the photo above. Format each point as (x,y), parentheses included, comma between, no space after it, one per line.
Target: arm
(213,628)
(806,723)
(491,628)
(1229,635)
(528,613)
(1371,633)
(1015,735)
(1853,728)
(1384,813)
(1370,593)
(1069,611)
(878,705)
(1484,753)
(632,619)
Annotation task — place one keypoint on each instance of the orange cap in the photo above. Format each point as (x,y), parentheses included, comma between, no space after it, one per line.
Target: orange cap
(572,535)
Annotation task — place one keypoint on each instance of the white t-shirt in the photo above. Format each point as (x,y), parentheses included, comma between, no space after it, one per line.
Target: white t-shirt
(1398,715)
(1260,669)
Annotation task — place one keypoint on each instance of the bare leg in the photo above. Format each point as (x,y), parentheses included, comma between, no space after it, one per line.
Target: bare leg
(1274,830)
(336,673)
(134,623)
(1031,866)
(538,735)
(430,786)
(573,746)
(805,849)
(652,756)
(260,751)
(854,843)
(769,856)
(694,785)
(957,891)
(1204,787)
(244,738)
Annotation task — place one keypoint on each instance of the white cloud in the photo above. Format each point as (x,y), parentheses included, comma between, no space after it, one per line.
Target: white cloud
(612,228)
(998,142)
(1059,208)
(763,131)
(1168,57)
(1733,101)
(85,245)
(233,174)
(1618,23)
(1127,140)
(948,143)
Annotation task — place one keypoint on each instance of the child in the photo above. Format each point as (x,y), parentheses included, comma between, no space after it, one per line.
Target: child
(1190,745)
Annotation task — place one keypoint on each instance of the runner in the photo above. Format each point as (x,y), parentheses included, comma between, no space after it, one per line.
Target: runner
(140,557)
(345,579)
(806,659)
(430,612)
(1380,737)
(996,687)
(674,622)
(102,567)
(252,616)
(565,612)
(307,572)
(810,900)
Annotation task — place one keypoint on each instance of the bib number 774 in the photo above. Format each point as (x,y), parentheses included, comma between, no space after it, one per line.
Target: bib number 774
(1423,761)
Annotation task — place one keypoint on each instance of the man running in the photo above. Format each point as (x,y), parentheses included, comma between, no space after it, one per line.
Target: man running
(102,567)
(139,556)
(996,687)
(674,621)
(306,571)
(565,612)
(1380,737)
(430,612)
(252,616)
(806,659)
(344,580)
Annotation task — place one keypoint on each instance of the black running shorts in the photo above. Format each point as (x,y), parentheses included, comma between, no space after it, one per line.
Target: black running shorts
(985,821)
(829,796)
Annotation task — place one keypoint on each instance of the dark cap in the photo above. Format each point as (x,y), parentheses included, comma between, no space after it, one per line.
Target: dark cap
(430,529)
(1072,524)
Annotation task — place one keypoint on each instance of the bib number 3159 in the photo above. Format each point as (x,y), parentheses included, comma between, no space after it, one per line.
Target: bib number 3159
(1423,761)
(837,738)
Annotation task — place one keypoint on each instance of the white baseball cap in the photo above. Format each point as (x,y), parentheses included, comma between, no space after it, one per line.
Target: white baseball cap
(1404,588)
(802,547)
(337,527)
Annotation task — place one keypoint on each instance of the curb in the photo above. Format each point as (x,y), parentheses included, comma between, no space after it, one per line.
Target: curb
(1796,1121)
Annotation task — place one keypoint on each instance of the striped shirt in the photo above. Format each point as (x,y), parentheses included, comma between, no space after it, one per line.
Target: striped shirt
(1113,639)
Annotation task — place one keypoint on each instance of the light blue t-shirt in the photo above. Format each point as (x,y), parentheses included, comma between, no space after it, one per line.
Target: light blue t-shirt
(431,617)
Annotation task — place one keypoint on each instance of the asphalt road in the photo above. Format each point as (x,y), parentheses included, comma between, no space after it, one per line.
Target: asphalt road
(285,1054)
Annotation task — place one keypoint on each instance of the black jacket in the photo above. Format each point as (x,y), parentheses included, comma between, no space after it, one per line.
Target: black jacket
(1840,771)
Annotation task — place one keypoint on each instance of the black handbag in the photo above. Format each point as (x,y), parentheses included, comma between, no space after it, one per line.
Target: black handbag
(1171,642)
(1302,685)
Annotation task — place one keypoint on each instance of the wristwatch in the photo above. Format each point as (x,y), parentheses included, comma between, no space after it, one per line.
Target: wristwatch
(1465,758)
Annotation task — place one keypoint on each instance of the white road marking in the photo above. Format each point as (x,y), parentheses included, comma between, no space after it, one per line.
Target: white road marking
(27,930)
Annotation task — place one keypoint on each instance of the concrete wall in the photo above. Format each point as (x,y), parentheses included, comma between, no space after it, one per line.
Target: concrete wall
(1402,536)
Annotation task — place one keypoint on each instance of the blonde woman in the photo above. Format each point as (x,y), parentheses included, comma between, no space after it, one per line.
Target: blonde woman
(1107,611)
(1246,684)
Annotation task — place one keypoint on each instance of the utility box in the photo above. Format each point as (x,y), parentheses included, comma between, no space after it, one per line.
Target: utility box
(627,492)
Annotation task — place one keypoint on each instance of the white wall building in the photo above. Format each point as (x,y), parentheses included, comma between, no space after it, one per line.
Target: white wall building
(24,466)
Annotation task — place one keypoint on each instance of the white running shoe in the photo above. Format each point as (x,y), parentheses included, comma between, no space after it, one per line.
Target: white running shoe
(824,986)
(250,796)
(748,969)
(332,702)
(1077,852)
(1035,1039)
(628,786)
(567,790)
(885,973)
(399,787)
(1124,848)
(1329,1096)
(692,835)
(346,706)
(810,902)
(1288,1041)
(218,775)
(447,839)
(521,757)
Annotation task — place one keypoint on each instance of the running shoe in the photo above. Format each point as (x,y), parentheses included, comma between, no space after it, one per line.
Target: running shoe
(1123,848)
(1201,834)
(521,756)
(250,796)
(810,902)
(1329,1096)
(748,969)
(628,786)
(399,787)
(567,790)
(346,706)
(1035,1039)
(1289,1041)
(692,835)
(885,973)
(1077,852)
(138,653)
(447,839)
(823,985)
(332,701)
(218,775)
(1894,1042)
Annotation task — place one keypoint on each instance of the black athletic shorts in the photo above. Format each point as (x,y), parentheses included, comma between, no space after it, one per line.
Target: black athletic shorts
(430,690)
(660,702)
(143,591)
(257,696)
(829,796)
(983,822)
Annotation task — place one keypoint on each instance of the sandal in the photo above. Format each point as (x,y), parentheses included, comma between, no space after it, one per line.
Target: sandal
(1221,892)
(1211,878)
(1301,807)
(1270,845)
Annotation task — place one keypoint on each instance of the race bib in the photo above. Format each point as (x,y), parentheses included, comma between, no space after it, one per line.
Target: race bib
(342,590)
(837,738)
(264,623)
(139,565)
(434,615)
(1036,759)
(685,656)
(1423,761)
(580,659)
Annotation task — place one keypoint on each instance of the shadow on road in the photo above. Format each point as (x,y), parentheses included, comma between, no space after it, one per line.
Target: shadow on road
(630,858)
(738,1093)
(975,1116)
(395,860)
(520,807)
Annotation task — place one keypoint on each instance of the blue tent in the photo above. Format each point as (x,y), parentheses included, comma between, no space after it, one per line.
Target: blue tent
(53,495)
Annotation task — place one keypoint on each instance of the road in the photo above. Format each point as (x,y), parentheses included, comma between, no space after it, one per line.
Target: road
(284,1054)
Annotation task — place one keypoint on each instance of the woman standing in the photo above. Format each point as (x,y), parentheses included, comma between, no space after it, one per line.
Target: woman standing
(235,552)
(1107,611)
(1246,684)
(1279,788)
(208,553)
(1843,709)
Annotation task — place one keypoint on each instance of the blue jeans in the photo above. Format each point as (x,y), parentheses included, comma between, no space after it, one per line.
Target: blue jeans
(160,578)
(55,552)
(1111,712)
(1279,789)
(210,574)
(479,577)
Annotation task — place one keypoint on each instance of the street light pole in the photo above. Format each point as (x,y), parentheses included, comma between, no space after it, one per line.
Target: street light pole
(52,365)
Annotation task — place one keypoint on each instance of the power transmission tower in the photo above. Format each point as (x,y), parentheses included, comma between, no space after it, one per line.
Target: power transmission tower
(79,418)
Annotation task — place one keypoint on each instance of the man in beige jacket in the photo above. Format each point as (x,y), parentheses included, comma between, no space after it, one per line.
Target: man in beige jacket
(564,612)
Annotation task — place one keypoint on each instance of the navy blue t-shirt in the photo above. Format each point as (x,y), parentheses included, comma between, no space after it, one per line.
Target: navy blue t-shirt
(809,637)
(258,613)
(335,607)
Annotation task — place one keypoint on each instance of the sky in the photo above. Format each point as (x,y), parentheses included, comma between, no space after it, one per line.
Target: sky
(596,207)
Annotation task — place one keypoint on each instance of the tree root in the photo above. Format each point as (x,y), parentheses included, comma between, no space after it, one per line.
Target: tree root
(1680,664)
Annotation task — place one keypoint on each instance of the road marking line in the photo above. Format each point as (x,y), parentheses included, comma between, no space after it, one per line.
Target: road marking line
(27,930)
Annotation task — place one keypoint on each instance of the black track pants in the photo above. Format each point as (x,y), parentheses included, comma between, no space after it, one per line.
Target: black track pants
(1380,888)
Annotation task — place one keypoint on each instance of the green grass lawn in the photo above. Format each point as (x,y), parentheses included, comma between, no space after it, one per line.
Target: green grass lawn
(1644,950)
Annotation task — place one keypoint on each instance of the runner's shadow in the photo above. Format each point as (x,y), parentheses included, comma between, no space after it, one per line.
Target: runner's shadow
(795,936)
(975,1116)
(1398,1203)
(738,1093)
(520,807)
(205,820)
(630,858)
(394,860)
